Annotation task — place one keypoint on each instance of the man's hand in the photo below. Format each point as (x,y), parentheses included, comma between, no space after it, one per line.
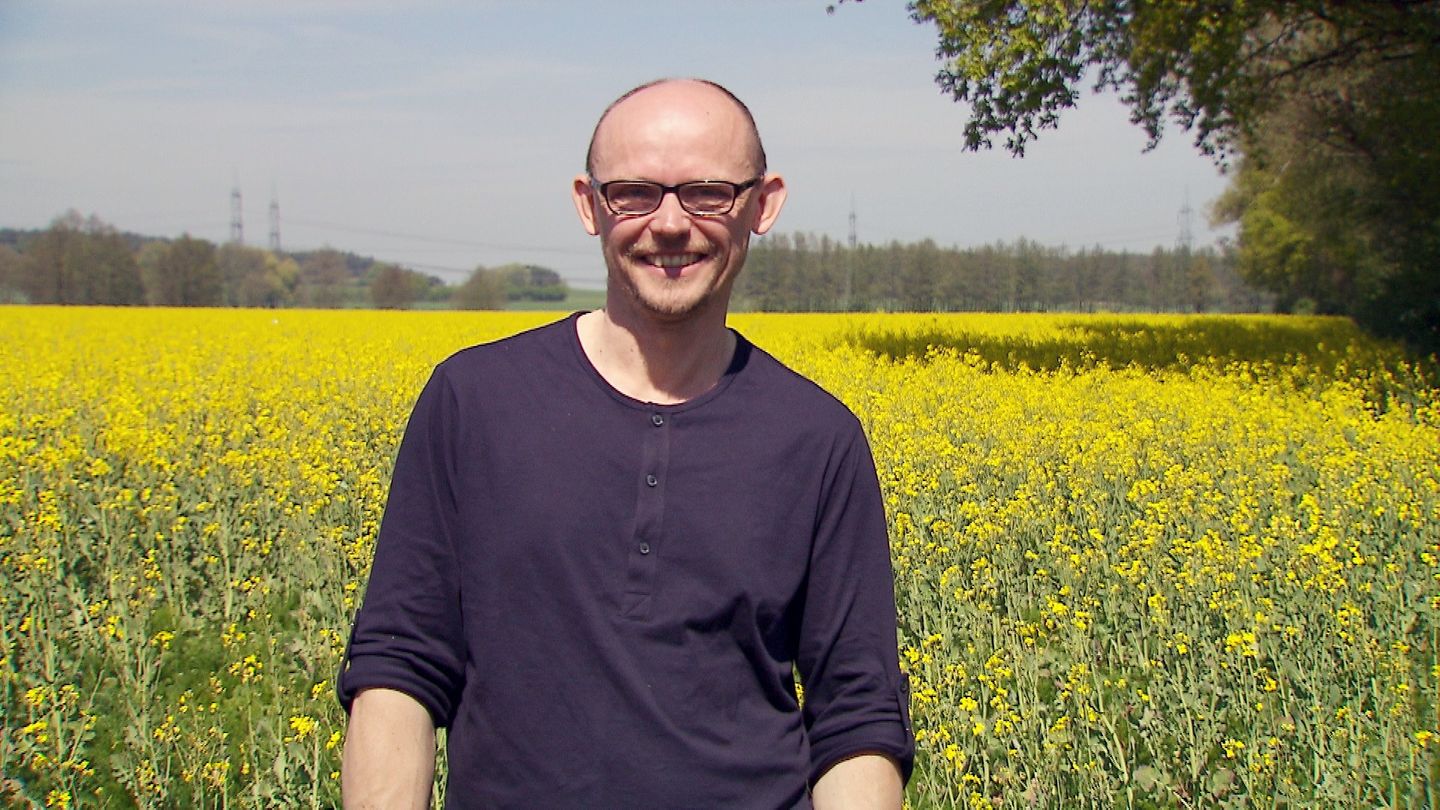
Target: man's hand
(863,782)
(389,759)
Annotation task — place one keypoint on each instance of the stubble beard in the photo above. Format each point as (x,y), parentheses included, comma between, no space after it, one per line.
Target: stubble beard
(667,300)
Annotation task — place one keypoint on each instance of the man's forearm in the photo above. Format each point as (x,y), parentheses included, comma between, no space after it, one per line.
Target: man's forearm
(864,782)
(389,759)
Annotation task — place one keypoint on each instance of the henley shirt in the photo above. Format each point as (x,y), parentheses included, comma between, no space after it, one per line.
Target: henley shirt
(607,602)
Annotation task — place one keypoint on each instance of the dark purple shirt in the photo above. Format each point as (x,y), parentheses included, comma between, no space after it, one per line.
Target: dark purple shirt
(607,601)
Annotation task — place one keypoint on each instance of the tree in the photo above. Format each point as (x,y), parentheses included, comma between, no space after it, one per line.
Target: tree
(1334,105)
(918,276)
(80,261)
(394,287)
(184,274)
(272,286)
(485,289)
(529,282)
(1200,282)
(50,276)
(1212,66)
(756,287)
(11,276)
(1338,198)
(238,265)
(1020,276)
(324,275)
(148,258)
(108,266)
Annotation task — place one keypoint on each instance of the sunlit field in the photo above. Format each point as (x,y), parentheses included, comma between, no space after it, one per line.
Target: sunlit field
(1140,561)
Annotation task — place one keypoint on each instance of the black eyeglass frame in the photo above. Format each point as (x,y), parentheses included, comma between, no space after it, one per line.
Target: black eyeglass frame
(736,190)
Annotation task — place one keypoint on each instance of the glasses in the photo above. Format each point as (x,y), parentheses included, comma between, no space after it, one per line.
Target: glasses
(702,198)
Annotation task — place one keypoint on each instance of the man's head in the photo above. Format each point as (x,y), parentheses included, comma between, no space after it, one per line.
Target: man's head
(757,149)
(681,258)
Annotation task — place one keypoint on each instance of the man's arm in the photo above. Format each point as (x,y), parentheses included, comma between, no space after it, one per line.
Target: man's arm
(856,696)
(863,782)
(389,759)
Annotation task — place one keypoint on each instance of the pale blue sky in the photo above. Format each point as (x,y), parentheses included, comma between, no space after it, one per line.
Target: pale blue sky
(445,134)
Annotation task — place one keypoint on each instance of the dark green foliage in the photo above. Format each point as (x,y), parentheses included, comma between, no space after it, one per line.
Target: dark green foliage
(12,267)
(351,265)
(1215,67)
(185,274)
(86,261)
(252,277)
(1338,200)
(528,282)
(394,287)
(79,261)
(485,289)
(1334,104)
(805,273)
(324,280)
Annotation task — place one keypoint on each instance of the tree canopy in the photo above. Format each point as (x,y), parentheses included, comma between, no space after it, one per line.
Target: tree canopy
(79,261)
(184,273)
(395,287)
(1332,106)
(1215,67)
(484,289)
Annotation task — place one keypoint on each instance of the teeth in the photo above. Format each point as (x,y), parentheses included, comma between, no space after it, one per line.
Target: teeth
(674,259)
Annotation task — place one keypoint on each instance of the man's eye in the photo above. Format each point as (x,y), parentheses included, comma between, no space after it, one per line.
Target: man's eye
(707,196)
(631,195)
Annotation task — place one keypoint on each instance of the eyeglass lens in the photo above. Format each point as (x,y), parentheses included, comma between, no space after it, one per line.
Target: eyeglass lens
(627,197)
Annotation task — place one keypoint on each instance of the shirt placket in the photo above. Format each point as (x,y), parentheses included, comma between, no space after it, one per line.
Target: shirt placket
(643,555)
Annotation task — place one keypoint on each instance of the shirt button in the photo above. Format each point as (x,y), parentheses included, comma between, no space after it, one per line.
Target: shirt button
(651,480)
(657,419)
(644,548)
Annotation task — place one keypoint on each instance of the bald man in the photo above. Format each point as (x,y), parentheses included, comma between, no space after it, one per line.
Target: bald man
(613,543)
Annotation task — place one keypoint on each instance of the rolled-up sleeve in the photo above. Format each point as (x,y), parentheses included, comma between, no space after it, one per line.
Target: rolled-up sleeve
(856,697)
(407,635)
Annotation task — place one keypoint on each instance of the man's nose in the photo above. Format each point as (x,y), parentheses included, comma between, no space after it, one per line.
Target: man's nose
(670,217)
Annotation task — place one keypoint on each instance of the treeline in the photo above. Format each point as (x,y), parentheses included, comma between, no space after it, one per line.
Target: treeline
(1338,193)
(1326,113)
(804,272)
(83,260)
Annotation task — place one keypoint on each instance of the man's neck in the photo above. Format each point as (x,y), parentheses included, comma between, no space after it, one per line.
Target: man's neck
(663,363)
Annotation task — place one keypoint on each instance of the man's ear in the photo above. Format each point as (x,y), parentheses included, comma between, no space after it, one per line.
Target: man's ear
(583,196)
(771,200)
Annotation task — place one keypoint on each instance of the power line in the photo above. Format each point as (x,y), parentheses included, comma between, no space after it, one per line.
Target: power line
(439,240)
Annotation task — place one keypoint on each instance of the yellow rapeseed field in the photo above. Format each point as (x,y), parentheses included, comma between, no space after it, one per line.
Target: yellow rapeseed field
(1140,561)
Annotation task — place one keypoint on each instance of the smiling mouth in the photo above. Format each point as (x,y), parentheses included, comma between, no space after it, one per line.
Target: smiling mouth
(671,261)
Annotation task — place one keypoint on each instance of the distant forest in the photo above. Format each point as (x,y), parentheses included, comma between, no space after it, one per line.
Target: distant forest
(801,272)
(85,261)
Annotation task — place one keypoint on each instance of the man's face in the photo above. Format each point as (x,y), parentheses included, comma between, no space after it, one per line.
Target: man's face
(669,265)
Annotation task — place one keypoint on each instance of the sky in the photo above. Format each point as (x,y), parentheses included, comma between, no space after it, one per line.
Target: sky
(444,135)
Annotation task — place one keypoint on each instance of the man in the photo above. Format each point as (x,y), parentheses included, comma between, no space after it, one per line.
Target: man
(612,541)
